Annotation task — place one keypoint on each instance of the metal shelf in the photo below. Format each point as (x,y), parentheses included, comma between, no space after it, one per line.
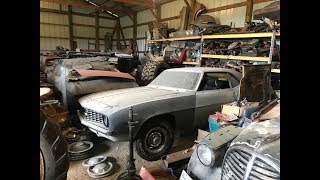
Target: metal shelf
(275,70)
(244,35)
(191,63)
(175,39)
(243,58)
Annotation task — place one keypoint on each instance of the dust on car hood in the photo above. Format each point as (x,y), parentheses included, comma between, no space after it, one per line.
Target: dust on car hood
(127,97)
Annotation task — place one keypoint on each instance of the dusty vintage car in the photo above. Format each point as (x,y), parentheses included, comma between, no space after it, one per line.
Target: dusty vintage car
(72,85)
(252,153)
(178,100)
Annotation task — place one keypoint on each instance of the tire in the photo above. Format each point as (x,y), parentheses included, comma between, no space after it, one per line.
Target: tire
(151,129)
(53,150)
(138,75)
(151,70)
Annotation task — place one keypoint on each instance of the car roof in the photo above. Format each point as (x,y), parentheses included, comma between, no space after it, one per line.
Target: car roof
(206,69)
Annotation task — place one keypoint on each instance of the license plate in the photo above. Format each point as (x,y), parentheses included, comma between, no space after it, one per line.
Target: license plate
(185,176)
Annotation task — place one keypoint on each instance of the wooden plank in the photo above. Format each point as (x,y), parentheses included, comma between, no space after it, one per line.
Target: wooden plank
(97,45)
(175,39)
(154,14)
(187,3)
(247,58)
(54,37)
(125,43)
(73,13)
(133,2)
(145,8)
(81,37)
(118,35)
(55,24)
(249,8)
(81,4)
(72,48)
(134,27)
(191,63)
(243,35)
(226,7)
(146,23)
(105,27)
(53,11)
(84,25)
(275,70)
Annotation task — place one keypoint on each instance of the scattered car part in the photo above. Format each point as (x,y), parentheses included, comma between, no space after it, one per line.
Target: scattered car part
(80,150)
(94,161)
(131,168)
(100,170)
(74,134)
(54,160)
(58,113)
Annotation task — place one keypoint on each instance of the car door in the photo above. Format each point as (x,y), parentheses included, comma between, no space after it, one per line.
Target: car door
(209,98)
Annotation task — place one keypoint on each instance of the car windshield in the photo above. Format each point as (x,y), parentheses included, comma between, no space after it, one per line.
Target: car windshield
(177,79)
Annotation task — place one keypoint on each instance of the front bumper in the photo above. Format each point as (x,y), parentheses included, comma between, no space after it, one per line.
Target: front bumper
(101,132)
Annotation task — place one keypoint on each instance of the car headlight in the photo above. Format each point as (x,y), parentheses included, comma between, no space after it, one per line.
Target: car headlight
(205,154)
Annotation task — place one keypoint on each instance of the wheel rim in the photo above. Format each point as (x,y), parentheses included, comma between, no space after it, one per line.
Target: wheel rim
(41,167)
(155,140)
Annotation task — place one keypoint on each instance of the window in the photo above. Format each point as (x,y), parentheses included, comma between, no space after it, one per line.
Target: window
(212,81)
(177,79)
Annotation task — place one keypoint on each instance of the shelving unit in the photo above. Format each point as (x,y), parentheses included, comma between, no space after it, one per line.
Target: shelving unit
(271,35)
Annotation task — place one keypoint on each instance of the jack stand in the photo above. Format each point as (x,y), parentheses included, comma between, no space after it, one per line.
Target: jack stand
(130,174)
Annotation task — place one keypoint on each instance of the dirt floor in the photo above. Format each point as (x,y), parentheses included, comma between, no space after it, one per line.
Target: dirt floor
(117,152)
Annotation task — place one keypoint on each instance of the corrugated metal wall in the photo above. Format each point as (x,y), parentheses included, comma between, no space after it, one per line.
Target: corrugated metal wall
(54,30)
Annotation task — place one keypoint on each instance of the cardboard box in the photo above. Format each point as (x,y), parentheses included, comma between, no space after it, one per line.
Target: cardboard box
(231,110)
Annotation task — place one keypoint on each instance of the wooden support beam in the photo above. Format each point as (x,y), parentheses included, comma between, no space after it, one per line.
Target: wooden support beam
(72,48)
(187,3)
(97,46)
(134,27)
(73,13)
(54,24)
(81,4)
(102,6)
(54,37)
(133,2)
(156,11)
(146,23)
(249,10)
(118,35)
(122,34)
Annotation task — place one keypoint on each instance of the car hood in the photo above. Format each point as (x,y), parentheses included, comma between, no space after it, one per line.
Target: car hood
(121,98)
(255,84)
(261,137)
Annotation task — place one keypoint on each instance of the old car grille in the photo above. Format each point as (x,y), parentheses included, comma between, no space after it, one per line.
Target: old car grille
(246,164)
(93,116)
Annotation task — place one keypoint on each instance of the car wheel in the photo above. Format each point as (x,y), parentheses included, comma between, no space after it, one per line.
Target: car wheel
(54,161)
(151,70)
(154,140)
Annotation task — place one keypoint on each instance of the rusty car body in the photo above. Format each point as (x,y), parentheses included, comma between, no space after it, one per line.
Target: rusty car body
(71,85)
(177,100)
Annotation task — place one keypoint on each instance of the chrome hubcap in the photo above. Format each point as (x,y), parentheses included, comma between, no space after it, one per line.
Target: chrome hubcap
(154,139)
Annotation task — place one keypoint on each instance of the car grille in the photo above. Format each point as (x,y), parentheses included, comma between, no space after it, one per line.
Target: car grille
(93,116)
(245,164)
